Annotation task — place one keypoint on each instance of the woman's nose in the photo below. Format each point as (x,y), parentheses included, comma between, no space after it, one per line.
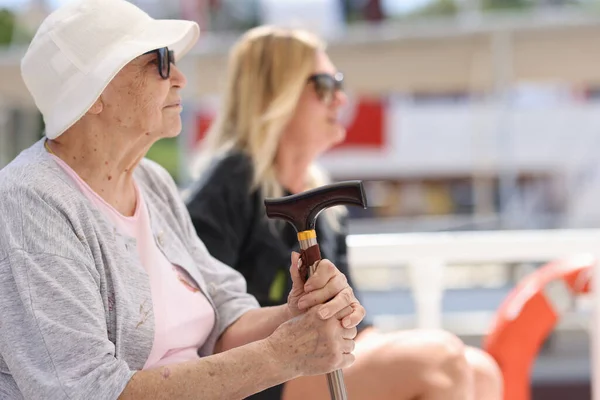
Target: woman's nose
(340,98)
(177,77)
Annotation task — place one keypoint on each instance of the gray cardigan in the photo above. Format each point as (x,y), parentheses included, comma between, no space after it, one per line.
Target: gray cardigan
(76,317)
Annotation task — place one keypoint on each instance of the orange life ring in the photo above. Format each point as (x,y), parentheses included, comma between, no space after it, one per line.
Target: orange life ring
(528,315)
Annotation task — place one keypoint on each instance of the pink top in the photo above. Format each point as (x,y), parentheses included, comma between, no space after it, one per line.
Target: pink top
(183,316)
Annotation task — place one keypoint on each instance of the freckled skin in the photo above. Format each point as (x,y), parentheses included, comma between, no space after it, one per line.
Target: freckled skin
(134,110)
(135,101)
(133,105)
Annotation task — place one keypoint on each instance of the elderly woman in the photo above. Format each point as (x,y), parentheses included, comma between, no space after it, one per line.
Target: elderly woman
(280,113)
(105,289)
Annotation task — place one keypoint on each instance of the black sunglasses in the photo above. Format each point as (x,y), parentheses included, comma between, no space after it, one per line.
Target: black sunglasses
(165,57)
(326,85)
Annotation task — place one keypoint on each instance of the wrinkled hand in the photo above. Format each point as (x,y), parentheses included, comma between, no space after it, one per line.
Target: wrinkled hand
(328,291)
(297,287)
(308,345)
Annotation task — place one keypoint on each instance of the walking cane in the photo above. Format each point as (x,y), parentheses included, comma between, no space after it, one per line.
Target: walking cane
(301,210)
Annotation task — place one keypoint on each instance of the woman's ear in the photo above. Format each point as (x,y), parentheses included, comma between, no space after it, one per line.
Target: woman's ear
(97,107)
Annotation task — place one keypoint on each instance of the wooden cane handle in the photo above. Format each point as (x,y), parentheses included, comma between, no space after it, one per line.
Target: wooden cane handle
(309,257)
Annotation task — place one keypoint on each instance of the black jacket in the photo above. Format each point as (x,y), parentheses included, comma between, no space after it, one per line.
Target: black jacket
(230,219)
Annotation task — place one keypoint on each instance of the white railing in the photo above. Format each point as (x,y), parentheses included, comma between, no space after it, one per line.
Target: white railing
(427,255)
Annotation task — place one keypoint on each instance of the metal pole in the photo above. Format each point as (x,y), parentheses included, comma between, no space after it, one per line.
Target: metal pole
(335,379)
(502,56)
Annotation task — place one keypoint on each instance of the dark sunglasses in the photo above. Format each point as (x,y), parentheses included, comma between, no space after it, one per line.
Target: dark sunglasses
(165,57)
(326,85)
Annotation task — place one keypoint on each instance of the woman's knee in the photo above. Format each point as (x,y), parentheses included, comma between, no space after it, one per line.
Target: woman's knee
(489,382)
(424,364)
(450,365)
(436,357)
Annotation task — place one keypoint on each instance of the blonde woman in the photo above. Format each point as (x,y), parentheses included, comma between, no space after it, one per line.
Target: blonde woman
(280,112)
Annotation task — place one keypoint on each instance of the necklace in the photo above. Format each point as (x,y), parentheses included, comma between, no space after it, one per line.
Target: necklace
(48,147)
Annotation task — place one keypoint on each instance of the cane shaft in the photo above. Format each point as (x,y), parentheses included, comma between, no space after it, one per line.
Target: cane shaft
(310,255)
(337,387)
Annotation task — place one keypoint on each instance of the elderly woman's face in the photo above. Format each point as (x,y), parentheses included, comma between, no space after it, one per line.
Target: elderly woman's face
(139,100)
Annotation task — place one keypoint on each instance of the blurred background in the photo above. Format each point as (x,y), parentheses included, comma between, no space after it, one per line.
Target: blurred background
(467,119)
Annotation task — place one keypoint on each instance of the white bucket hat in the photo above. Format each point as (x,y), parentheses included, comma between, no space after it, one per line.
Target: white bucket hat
(80,47)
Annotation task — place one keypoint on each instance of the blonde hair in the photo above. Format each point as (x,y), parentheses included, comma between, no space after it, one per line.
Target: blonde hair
(267,72)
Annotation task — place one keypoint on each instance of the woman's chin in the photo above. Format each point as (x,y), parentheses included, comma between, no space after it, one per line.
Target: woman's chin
(336,140)
(172,134)
(173,129)
(339,135)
